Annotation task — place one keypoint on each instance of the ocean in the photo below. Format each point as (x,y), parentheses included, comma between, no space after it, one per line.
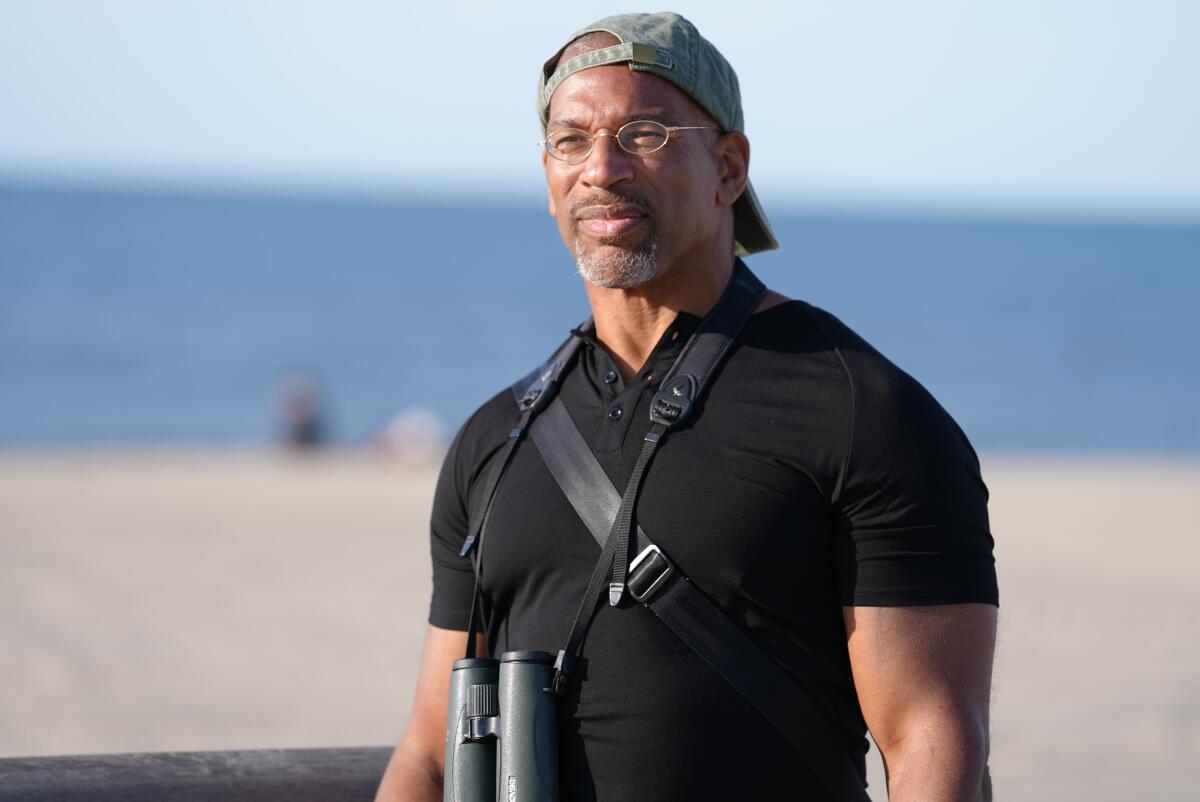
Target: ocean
(168,317)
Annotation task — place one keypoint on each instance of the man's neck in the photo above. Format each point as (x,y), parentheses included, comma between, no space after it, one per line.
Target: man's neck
(630,322)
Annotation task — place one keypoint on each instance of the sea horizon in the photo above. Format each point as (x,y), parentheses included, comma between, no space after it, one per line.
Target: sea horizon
(159,315)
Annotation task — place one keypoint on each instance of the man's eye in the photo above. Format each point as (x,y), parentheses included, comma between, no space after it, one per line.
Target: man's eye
(647,137)
(643,137)
(572,141)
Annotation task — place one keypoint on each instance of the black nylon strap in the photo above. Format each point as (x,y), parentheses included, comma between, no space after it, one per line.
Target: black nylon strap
(681,390)
(707,348)
(624,520)
(611,545)
(578,472)
(476,528)
(730,652)
(671,406)
(535,393)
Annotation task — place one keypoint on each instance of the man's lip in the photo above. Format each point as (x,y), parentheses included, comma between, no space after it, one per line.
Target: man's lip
(618,210)
(608,227)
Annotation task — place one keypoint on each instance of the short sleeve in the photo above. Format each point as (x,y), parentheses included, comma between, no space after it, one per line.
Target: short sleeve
(912,504)
(453,579)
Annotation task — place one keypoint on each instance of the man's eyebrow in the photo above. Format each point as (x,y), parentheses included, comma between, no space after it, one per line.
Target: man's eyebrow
(657,117)
(665,119)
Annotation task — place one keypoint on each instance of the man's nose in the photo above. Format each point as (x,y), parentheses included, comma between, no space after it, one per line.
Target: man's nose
(607,164)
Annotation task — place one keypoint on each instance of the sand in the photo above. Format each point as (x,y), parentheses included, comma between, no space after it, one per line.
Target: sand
(179,600)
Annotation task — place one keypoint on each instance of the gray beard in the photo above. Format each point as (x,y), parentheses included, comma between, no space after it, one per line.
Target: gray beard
(620,269)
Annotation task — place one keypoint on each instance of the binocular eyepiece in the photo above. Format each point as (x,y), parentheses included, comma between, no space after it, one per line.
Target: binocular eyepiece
(501,743)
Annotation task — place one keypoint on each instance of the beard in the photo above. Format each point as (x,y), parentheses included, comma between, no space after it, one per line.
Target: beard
(613,266)
(618,268)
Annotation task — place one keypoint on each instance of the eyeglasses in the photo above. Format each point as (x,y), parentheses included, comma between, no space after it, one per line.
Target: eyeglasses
(637,137)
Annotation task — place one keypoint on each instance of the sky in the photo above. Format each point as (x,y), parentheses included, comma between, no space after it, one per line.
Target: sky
(1021,105)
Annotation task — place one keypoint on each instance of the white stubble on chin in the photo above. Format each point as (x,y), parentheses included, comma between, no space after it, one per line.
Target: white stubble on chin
(618,268)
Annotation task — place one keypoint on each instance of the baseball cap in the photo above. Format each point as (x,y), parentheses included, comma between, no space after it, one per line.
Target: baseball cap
(670,47)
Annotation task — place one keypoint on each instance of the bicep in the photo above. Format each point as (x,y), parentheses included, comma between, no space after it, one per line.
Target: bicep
(922,669)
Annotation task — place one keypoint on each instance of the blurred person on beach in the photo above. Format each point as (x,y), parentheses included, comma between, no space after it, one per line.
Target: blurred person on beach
(298,404)
(820,496)
(412,436)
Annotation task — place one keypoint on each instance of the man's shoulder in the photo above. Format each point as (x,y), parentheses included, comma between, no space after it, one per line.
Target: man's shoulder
(489,425)
(799,327)
(876,385)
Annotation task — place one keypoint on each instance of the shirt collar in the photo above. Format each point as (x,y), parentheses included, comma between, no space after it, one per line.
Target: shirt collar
(664,353)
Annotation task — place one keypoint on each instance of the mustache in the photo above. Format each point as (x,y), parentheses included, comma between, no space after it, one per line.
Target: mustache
(610,204)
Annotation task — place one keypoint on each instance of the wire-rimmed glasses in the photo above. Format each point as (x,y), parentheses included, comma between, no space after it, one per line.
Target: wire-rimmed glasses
(636,137)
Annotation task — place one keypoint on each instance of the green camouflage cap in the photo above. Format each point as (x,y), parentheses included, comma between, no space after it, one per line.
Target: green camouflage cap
(669,46)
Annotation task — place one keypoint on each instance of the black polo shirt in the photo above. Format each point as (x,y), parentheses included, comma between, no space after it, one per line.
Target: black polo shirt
(815,474)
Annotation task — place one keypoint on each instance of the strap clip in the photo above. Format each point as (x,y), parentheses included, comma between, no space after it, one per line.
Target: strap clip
(564,664)
(648,572)
(542,391)
(615,591)
(673,402)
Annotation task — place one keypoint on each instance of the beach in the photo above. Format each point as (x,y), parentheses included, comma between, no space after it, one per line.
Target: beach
(179,599)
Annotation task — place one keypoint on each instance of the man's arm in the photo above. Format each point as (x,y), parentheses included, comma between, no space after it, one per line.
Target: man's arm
(923,676)
(414,773)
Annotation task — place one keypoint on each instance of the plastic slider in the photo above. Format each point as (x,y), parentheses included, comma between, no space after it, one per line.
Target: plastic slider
(467,545)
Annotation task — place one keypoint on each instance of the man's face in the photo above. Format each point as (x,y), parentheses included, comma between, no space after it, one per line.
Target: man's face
(629,218)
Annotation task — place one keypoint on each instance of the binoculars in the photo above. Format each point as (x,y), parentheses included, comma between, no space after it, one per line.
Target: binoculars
(501,744)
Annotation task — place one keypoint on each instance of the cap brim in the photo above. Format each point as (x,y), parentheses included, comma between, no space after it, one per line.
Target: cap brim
(751,232)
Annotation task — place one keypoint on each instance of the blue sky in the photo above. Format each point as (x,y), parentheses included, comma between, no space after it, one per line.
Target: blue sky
(1055,105)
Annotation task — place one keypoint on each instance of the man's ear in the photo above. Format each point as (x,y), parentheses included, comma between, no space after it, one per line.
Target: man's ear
(734,154)
(549,194)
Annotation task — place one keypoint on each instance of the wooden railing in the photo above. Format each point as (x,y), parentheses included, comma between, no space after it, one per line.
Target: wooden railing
(266,775)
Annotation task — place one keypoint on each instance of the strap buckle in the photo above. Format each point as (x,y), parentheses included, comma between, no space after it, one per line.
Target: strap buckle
(648,572)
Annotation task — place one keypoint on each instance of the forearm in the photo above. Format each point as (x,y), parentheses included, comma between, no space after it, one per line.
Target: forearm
(415,771)
(946,765)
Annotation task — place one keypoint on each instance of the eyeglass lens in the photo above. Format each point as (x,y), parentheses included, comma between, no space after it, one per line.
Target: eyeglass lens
(639,138)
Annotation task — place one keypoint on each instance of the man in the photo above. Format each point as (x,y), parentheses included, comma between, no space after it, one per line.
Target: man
(821,498)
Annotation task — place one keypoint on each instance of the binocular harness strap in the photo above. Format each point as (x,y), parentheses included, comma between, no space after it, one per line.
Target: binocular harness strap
(671,406)
(651,578)
(654,581)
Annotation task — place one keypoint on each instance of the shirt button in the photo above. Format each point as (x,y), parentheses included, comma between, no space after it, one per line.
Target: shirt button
(610,377)
(616,412)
